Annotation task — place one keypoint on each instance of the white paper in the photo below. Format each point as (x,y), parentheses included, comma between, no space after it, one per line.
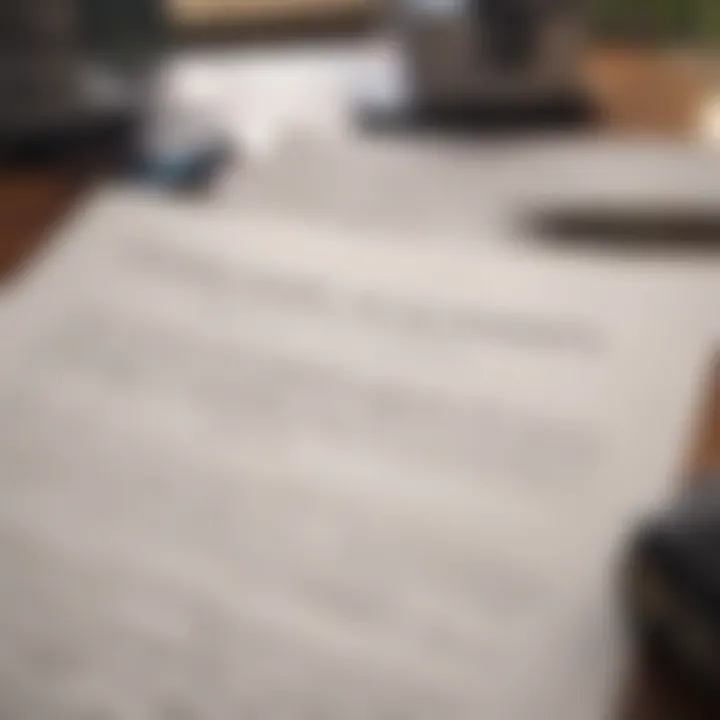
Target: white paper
(256,467)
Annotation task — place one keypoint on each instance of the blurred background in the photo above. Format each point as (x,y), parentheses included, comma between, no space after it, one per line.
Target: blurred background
(284,106)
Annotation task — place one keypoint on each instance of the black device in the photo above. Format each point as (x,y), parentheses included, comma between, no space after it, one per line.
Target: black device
(671,586)
(507,33)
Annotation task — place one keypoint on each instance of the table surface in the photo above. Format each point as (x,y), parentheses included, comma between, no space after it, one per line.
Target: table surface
(32,202)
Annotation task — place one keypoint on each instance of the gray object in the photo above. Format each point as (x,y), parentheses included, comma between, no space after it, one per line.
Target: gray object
(69,68)
(466,52)
(39,57)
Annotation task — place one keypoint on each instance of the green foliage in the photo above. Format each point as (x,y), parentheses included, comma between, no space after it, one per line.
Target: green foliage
(685,22)
(710,22)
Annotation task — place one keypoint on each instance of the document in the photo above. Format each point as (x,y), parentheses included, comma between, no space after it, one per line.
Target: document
(255,467)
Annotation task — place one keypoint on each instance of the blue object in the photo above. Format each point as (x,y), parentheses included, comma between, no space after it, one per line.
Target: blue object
(185,169)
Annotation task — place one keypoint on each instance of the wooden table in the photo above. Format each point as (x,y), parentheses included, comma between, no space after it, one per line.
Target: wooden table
(646,93)
(639,92)
(31,203)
